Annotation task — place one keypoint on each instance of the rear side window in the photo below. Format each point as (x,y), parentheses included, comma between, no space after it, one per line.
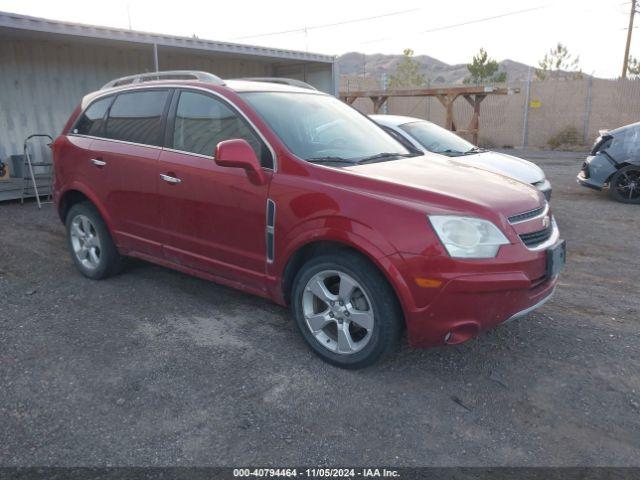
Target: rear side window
(202,122)
(92,120)
(137,117)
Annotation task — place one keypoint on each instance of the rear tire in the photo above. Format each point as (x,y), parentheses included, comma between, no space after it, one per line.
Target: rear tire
(346,310)
(625,185)
(90,244)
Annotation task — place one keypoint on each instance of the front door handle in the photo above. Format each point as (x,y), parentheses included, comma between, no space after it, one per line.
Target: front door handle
(170,179)
(98,163)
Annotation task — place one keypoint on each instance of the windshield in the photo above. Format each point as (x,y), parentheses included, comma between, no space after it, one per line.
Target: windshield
(437,139)
(322,128)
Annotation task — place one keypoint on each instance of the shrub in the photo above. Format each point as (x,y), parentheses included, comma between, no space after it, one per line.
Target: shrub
(568,136)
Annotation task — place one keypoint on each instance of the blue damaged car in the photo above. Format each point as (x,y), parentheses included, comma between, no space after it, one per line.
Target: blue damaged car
(614,163)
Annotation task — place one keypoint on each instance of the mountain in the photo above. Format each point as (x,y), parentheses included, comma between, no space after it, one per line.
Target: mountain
(355,63)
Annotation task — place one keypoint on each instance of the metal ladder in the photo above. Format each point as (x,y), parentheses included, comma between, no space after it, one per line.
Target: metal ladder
(31,177)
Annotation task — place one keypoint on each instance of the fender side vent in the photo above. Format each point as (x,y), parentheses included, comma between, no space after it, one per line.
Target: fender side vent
(270,235)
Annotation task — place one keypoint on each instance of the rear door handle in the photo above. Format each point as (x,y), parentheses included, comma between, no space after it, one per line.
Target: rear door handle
(98,163)
(170,179)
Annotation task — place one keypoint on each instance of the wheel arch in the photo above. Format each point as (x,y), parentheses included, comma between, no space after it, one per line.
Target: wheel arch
(317,246)
(68,200)
(76,193)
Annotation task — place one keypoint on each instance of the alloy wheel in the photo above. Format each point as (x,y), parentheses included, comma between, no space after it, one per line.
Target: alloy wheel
(85,242)
(628,184)
(338,312)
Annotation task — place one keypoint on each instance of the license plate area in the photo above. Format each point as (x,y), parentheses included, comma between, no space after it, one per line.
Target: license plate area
(556,259)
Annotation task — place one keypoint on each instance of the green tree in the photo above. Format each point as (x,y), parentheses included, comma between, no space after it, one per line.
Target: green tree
(558,62)
(407,73)
(634,66)
(484,69)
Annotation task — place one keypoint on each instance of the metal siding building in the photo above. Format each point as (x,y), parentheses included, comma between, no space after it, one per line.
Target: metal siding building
(47,66)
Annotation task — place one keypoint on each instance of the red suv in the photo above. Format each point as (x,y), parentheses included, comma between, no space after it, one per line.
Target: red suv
(287,193)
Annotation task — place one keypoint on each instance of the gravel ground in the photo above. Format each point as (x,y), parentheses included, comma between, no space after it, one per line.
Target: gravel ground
(158,368)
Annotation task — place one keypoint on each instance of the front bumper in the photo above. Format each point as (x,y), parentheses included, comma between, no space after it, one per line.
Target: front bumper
(587,182)
(527,311)
(596,171)
(473,296)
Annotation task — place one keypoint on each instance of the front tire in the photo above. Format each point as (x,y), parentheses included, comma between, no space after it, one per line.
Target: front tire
(345,310)
(90,243)
(625,185)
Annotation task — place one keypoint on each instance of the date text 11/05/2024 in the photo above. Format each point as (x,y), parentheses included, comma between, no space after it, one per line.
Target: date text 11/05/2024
(316,473)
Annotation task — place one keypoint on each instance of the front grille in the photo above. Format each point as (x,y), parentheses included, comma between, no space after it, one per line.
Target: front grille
(534,239)
(521,217)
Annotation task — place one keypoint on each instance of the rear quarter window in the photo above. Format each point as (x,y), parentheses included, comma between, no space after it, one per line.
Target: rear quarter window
(92,119)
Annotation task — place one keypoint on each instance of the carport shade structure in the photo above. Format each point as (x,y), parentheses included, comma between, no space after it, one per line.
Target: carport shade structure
(446,96)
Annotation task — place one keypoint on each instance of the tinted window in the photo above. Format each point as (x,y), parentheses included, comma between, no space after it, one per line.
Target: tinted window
(137,117)
(203,121)
(92,120)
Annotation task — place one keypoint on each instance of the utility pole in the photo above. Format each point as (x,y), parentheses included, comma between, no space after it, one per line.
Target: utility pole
(625,64)
(129,15)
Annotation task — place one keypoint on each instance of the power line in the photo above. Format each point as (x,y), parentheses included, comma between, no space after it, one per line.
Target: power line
(326,25)
(485,19)
(470,22)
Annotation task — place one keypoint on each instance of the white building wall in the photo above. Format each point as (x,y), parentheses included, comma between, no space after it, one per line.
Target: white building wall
(42,81)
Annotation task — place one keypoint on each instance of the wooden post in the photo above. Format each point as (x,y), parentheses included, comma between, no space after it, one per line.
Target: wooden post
(450,123)
(474,124)
(447,103)
(378,102)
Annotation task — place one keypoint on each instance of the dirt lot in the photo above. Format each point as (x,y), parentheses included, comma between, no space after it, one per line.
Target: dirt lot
(157,368)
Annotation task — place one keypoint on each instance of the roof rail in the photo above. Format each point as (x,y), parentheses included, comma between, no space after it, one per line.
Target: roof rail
(285,81)
(166,75)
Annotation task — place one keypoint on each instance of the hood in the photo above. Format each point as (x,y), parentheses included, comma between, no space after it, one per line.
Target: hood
(444,178)
(504,164)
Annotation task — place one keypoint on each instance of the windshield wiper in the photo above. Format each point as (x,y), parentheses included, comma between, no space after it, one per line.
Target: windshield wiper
(448,152)
(385,156)
(473,150)
(328,160)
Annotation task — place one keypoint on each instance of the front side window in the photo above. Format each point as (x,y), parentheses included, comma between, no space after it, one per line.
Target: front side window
(137,117)
(201,122)
(437,139)
(92,120)
(318,127)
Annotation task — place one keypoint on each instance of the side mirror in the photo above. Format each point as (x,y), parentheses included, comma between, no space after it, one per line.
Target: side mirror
(238,153)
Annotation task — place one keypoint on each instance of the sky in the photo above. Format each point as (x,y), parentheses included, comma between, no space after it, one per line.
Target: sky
(449,31)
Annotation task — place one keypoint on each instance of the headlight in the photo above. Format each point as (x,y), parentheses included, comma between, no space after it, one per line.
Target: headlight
(468,237)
